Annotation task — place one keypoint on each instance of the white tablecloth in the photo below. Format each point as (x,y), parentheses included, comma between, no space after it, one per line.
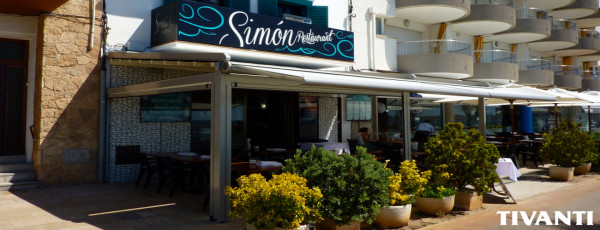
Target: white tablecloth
(338,147)
(505,167)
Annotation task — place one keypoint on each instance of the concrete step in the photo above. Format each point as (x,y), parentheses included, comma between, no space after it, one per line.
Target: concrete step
(7,160)
(21,185)
(12,168)
(18,176)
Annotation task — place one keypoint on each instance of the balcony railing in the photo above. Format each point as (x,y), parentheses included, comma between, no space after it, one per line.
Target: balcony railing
(434,47)
(591,74)
(563,24)
(562,70)
(532,13)
(493,2)
(589,34)
(489,56)
(535,64)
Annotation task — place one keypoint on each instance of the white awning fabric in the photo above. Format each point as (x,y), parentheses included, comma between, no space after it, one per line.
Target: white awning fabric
(386,81)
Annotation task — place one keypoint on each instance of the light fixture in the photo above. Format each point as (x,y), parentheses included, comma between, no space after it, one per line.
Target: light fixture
(406,22)
(263,105)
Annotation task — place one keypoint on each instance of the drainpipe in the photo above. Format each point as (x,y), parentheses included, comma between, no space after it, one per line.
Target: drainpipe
(102,117)
(92,24)
(372,35)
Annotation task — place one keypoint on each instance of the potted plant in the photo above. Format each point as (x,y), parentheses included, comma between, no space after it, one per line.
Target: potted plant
(567,147)
(593,158)
(282,202)
(437,198)
(467,160)
(404,186)
(353,187)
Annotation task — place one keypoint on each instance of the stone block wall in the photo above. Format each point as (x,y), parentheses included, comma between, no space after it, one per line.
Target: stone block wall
(67,89)
(125,128)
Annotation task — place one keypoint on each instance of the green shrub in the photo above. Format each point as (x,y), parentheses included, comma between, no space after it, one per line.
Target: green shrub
(353,187)
(568,145)
(464,156)
(284,201)
(407,183)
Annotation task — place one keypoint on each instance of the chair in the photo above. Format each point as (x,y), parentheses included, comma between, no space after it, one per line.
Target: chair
(172,170)
(511,152)
(148,167)
(533,154)
(352,145)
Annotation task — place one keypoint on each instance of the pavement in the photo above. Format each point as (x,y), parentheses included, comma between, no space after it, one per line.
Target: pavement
(123,206)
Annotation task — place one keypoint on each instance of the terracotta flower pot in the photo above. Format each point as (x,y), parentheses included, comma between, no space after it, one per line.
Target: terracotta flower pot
(435,206)
(329,224)
(468,201)
(393,216)
(584,169)
(561,173)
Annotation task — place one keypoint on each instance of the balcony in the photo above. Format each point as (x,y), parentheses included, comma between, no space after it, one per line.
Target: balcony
(532,25)
(487,17)
(567,77)
(29,7)
(536,72)
(589,21)
(436,58)
(589,43)
(432,11)
(563,35)
(590,81)
(548,4)
(579,9)
(495,66)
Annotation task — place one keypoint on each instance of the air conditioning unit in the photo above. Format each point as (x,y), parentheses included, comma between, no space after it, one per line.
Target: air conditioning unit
(297,18)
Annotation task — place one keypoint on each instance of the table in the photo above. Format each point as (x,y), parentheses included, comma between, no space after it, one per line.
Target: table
(505,167)
(178,157)
(338,147)
(247,168)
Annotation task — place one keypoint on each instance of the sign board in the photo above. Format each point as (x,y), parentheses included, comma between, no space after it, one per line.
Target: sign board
(195,22)
(173,107)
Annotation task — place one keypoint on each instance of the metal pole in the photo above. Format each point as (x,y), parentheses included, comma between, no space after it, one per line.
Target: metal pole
(481,111)
(406,116)
(555,115)
(512,120)
(589,119)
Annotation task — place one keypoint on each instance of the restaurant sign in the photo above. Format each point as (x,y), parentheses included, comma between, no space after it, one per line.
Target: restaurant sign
(183,20)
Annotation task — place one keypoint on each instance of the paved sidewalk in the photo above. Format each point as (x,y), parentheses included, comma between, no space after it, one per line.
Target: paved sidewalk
(122,206)
(104,206)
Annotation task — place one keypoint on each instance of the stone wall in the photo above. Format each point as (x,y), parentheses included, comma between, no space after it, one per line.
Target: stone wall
(328,115)
(66,97)
(125,128)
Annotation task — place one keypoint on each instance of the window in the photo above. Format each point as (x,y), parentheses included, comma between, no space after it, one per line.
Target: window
(309,118)
(380,26)
(214,2)
(284,8)
(358,108)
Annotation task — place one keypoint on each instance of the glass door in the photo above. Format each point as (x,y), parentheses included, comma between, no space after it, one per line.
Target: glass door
(13,85)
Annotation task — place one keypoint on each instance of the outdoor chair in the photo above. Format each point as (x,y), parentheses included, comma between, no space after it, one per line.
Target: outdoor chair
(511,152)
(352,145)
(533,154)
(174,171)
(148,166)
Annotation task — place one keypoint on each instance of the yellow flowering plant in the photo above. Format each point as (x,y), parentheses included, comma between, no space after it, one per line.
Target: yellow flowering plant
(284,201)
(407,183)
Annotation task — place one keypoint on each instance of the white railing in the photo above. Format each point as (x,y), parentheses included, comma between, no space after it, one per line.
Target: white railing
(532,13)
(589,34)
(562,70)
(434,47)
(591,74)
(563,24)
(493,2)
(535,64)
(489,56)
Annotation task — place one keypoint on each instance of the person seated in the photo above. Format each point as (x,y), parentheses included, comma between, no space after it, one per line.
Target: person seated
(363,136)
(397,138)
(424,131)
